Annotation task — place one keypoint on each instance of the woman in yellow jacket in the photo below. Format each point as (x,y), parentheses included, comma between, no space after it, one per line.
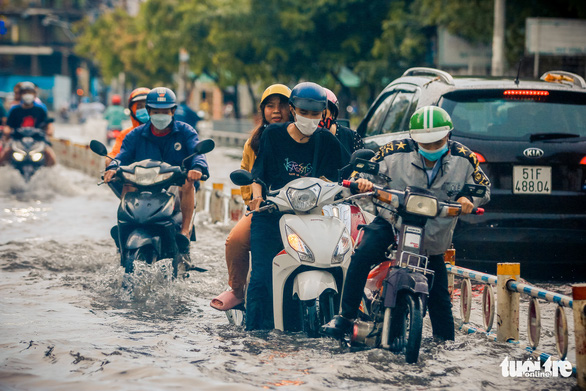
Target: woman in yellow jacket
(274,108)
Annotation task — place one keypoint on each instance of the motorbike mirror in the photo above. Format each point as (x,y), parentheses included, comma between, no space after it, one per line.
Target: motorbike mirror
(98,148)
(364,154)
(241,177)
(366,166)
(205,146)
(470,190)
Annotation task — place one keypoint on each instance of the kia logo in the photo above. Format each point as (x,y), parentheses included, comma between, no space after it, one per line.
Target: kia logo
(533,152)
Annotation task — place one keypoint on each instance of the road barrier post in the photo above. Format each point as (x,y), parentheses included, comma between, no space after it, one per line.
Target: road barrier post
(579,309)
(217,209)
(236,205)
(507,310)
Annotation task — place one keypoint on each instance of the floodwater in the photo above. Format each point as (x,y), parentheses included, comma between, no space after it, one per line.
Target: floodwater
(66,323)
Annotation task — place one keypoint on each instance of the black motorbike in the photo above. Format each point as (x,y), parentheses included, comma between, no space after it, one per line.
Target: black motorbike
(28,150)
(149,217)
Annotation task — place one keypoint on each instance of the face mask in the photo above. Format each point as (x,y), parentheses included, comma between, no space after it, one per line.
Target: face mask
(433,155)
(142,115)
(307,126)
(28,98)
(161,121)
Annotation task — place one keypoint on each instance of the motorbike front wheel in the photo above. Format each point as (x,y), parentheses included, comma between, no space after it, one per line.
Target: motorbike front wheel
(310,322)
(145,254)
(406,326)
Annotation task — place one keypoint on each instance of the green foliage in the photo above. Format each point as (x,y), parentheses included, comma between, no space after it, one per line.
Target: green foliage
(286,41)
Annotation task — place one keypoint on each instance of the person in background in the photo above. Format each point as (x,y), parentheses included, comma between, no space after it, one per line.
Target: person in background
(28,113)
(349,138)
(138,116)
(274,108)
(184,113)
(114,114)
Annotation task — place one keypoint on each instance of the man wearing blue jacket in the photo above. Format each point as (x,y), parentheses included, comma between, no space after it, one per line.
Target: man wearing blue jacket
(164,139)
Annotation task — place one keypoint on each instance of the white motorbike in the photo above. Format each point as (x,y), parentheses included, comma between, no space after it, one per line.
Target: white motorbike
(308,275)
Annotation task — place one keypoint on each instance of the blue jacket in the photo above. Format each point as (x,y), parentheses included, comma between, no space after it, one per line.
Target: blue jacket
(141,144)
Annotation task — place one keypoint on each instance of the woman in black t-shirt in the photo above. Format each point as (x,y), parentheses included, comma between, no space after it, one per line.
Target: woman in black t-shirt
(287,151)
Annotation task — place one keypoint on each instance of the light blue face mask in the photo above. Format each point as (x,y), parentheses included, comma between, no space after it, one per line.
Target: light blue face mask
(433,155)
(142,115)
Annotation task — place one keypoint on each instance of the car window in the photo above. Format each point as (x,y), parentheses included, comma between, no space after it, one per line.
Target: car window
(374,123)
(397,119)
(496,117)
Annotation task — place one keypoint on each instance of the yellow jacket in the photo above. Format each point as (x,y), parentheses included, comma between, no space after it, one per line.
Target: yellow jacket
(248,158)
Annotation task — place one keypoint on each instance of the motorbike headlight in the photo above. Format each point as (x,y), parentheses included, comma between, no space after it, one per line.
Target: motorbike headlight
(36,156)
(299,245)
(303,200)
(146,176)
(18,156)
(421,205)
(342,248)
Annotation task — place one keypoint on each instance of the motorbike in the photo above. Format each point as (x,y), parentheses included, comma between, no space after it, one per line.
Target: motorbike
(395,296)
(317,230)
(28,150)
(112,135)
(149,218)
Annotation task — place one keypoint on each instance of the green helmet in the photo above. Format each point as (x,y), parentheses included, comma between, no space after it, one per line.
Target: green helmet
(429,124)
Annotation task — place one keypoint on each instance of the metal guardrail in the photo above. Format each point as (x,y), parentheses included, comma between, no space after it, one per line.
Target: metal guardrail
(507,310)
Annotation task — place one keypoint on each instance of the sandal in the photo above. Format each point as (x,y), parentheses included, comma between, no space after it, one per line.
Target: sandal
(225,301)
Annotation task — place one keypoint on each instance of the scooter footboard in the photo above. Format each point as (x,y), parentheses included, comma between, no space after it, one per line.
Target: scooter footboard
(311,284)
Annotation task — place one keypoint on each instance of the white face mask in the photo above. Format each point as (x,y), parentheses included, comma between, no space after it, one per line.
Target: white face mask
(28,98)
(307,126)
(161,121)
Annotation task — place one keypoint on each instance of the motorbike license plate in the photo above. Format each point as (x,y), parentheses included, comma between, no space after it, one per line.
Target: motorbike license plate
(531,180)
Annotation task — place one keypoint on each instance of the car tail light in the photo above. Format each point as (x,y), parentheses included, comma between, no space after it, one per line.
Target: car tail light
(583,161)
(481,158)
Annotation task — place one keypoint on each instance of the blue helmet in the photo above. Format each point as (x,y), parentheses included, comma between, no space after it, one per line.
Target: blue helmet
(309,96)
(161,98)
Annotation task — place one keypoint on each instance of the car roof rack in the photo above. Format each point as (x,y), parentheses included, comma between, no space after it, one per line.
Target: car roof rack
(444,76)
(564,77)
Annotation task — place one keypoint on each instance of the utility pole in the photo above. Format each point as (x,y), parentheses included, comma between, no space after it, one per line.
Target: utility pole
(498,39)
(182,82)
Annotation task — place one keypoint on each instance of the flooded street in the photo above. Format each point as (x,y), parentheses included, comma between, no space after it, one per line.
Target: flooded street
(66,323)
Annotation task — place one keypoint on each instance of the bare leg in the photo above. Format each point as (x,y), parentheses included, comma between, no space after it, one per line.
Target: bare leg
(50,158)
(187,207)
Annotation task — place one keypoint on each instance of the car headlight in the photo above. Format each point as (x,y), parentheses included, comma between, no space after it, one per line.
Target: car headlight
(421,205)
(18,156)
(36,156)
(146,176)
(299,245)
(303,200)
(342,248)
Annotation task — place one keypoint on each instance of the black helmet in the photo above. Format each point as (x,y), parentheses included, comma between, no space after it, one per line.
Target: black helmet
(309,96)
(161,98)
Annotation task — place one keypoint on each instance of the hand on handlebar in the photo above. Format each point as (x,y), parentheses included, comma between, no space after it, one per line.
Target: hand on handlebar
(467,205)
(193,175)
(108,175)
(364,185)
(254,204)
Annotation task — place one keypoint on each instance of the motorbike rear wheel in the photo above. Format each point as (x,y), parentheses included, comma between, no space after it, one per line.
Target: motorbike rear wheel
(406,326)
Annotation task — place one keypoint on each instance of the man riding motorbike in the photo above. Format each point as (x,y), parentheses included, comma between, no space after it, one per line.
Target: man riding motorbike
(28,113)
(162,138)
(429,160)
